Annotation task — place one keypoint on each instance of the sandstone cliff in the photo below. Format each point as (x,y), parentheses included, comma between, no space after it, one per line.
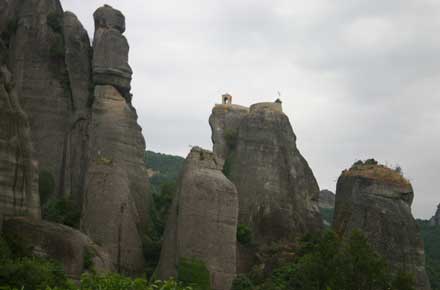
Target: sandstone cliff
(201,227)
(117,201)
(278,194)
(37,52)
(377,200)
(18,170)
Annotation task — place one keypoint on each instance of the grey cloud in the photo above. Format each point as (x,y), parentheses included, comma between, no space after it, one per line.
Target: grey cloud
(358,78)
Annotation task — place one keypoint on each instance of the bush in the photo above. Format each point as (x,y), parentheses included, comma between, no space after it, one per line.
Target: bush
(193,272)
(32,273)
(62,211)
(244,235)
(329,262)
(46,185)
(242,282)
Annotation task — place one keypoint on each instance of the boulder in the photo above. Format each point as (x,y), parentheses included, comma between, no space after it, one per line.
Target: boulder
(278,193)
(201,229)
(117,201)
(377,200)
(18,170)
(110,51)
(74,250)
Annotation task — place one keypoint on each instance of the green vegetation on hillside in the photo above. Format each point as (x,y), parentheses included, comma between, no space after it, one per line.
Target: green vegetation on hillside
(19,272)
(324,262)
(431,238)
(327,215)
(166,167)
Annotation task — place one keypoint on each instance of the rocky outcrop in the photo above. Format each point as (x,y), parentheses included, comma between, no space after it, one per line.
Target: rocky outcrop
(377,200)
(201,228)
(110,51)
(326,199)
(18,170)
(116,203)
(435,220)
(78,63)
(74,250)
(278,194)
(225,121)
(37,60)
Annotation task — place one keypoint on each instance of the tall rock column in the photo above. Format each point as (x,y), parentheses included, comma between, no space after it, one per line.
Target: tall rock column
(200,235)
(18,170)
(377,200)
(37,60)
(278,193)
(117,201)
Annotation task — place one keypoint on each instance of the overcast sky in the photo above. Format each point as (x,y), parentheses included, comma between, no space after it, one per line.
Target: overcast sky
(359,78)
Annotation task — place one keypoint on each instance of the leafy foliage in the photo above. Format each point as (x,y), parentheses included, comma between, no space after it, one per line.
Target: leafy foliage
(327,214)
(244,234)
(193,272)
(118,282)
(431,238)
(62,211)
(165,168)
(328,262)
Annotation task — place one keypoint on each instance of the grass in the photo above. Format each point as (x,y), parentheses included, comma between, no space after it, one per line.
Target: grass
(377,172)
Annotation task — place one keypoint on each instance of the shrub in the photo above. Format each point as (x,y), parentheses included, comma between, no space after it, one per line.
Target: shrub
(242,282)
(193,272)
(244,235)
(32,273)
(46,185)
(88,259)
(118,282)
(62,211)
(227,167)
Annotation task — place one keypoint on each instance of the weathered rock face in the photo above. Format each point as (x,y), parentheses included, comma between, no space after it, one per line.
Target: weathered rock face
(278,194)
(202,222)
(3,16)
(435,220)
(326,199)
(78,63)
(116,204)
(377,200)
(225,121)
(37,62)
(110,51)
(60,243)
(18,170)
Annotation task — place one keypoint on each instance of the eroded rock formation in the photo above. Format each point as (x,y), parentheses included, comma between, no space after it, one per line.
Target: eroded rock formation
(110,51)
(117,203)
(377,200)
(37,61)
(58,242)
(278,194)
(202,222)
(18,169)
